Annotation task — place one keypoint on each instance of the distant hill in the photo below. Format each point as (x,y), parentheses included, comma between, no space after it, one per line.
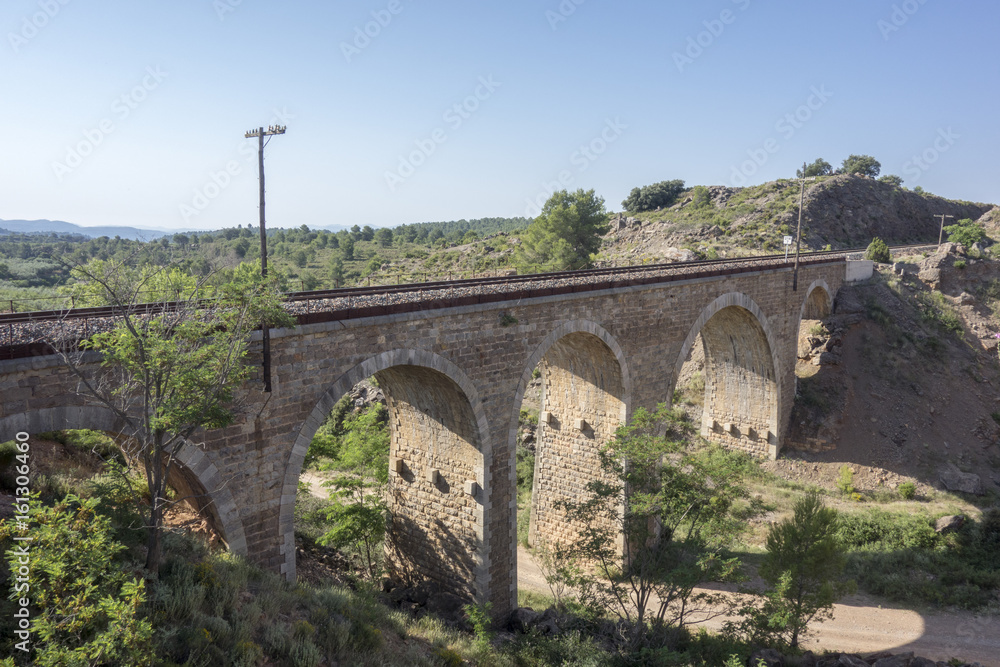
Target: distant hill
(60,227)
(842,211)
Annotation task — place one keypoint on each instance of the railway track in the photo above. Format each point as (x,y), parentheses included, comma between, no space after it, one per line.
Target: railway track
(505,287)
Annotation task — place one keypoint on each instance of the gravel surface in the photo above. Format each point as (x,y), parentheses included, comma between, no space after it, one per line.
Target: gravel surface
(69,328)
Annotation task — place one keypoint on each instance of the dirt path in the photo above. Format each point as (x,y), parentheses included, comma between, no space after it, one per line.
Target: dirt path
(860,625)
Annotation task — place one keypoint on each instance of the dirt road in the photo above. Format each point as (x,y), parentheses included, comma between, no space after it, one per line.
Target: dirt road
(860,625)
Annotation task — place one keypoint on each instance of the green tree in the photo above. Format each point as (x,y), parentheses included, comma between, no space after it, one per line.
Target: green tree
(651,197)
(966,232)
(367,233)
(300,259)
(891,179)
(701,197)
(384,237)
(878,251)
(803,568)
(170,369)
(157,283)
(358,514)
(240,248)
(337,271)
(347,247)
(819,167)
(864,165)
(566,234)
(675,520)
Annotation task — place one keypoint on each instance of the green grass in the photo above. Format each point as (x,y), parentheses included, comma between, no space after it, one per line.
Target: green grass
(899,556)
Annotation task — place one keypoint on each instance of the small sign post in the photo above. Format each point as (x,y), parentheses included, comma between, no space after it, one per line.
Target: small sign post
(788,242)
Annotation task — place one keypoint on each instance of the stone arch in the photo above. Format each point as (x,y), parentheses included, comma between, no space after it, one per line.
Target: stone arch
(196,475)
(432,401)
(590,366)
(818,303)
(743,381)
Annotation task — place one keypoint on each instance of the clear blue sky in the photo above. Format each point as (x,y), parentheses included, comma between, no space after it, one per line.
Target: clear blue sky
(120,113)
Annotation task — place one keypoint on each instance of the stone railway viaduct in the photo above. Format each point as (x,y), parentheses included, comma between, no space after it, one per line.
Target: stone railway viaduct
(454,378)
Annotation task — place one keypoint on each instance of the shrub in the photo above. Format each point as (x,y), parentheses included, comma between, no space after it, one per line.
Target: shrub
(818,330)
(479,617)
(966,232)
(959,264)
(907,490)
(885,531)
(86,603)
(803,566)
(650,197)
(878,251)
(845,480)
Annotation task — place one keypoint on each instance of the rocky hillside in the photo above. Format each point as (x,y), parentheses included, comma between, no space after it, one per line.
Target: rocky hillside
(842,211)
(902,381)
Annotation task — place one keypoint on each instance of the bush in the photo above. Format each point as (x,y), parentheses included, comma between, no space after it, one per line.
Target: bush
(85,603)
(878,251)
(965,232)
(845,480)
(884,531)
(651,197)
(907,490)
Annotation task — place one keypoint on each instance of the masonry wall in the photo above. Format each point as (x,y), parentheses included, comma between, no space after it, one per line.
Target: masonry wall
(582,387)
(435,527)
(740,389)
(256,462)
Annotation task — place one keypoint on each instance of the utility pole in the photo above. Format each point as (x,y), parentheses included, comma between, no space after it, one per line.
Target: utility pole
(941,233)
(798,231)
(260,133)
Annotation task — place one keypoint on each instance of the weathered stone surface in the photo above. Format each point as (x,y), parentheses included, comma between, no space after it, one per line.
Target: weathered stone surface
(848,660)
(898,660)
(949,524)
(453,379)
(962,482)
(522,619)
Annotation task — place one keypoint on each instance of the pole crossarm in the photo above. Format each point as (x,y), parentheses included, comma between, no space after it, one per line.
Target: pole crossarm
(941,232)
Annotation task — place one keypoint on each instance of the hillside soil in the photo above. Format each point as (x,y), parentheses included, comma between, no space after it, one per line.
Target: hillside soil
(906,386)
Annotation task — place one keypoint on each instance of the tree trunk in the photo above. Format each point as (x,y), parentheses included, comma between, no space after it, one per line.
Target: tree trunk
(154,542)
